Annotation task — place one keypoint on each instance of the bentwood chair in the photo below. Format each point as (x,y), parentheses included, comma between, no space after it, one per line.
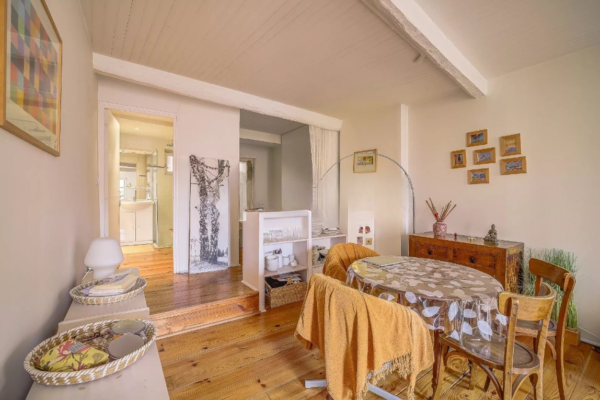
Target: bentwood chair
(514,359)
(341,256)
(556,329)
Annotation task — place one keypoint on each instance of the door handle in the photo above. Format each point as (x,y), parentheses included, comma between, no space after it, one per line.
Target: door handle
(472,259)
(430,252)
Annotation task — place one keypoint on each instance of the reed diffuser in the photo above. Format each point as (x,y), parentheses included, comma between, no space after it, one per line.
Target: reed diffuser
(440,227)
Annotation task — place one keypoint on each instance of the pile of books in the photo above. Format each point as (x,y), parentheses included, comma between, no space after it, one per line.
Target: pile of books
(113,286)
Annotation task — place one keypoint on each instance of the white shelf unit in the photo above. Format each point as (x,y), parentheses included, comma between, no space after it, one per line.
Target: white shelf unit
(254,272)
(327,241)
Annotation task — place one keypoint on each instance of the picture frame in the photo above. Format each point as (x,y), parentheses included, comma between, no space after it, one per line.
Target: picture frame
(478,176)
(511,166)
(484,156)
(365,161)
(31,86)
(477,138)
(510,145)
(458,159)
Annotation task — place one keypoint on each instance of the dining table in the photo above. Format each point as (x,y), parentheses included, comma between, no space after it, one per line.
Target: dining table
(452,299)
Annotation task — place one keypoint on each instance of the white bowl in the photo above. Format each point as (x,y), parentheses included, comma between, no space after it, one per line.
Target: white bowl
(272,263)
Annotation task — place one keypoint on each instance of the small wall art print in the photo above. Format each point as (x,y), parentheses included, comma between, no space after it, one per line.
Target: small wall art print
(30,90)
(209,215)
(365,161)
(477,176)
(361,228)
(510,145)
(458,159)
(516,165)
(477,138)
(484,156)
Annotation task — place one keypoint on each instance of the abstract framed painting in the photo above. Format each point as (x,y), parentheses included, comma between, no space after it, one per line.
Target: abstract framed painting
(458,159)
(510,145)
(365,161)
(477,138)
(484,156)
(516,165)
(31,60)
(477,176)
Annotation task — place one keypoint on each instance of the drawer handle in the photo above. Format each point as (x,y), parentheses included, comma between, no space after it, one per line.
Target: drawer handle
(472,260)
(430,252)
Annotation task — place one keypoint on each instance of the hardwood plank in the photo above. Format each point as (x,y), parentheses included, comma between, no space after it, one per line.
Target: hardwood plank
(588,386)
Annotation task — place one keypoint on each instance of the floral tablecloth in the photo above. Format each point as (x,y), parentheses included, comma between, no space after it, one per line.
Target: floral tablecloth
(457,299)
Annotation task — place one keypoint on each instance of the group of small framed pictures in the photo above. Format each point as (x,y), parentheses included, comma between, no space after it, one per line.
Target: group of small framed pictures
(509,146)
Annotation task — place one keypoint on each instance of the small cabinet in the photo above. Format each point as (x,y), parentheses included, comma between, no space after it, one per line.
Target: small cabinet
(127,226)
(136,226)
(434,252)
(143,226)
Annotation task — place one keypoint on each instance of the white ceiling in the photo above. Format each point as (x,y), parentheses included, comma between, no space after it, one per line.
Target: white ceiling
(144,125)
(501,36)
(266,123)
(335,57)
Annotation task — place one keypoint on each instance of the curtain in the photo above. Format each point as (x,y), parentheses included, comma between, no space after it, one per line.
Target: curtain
(324,146)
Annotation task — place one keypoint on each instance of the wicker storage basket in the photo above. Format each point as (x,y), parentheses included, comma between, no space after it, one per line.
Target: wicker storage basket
(85,375)
(289,293)
(79,297)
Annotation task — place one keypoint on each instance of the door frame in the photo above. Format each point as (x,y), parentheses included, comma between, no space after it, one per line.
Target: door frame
(102,180)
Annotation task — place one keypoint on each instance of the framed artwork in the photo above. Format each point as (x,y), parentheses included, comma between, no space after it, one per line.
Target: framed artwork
(209,215)
(361,228)
(365,161)
(458,159)
(484,156)
(510,145)
(510,166)
(477,138)
(31,57)
(477,176)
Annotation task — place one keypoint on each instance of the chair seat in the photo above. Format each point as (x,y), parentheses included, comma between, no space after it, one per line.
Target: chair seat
(493,351)
(533,327)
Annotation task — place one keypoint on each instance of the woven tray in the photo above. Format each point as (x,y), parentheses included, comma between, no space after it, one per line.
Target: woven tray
(289,293)
(79,297)
(86,375)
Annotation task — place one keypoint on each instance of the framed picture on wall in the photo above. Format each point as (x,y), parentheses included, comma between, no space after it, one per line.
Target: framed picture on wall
(477,138)
(484,156)
(30,89)
(477,176)
(458,159)
(516,165)
(510,145)
(365,161)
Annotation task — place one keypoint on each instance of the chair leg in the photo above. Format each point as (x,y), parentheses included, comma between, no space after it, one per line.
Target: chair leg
(437,389)
(473,371)
(560,367)
(536,383)
(487,384)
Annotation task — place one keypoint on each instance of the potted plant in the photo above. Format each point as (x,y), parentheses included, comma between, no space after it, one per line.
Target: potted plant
(563,259)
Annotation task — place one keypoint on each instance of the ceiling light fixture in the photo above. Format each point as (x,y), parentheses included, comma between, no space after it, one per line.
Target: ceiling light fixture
(137,129)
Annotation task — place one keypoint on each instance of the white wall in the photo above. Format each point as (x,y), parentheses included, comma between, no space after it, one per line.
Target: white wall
(48,211)
(275,195)
(262,172)
(296,170)
(384,192)
(555,107)
(203,129)
(113,130)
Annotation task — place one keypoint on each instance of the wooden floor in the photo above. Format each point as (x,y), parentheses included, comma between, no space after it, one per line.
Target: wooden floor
(259,358)
(167,291)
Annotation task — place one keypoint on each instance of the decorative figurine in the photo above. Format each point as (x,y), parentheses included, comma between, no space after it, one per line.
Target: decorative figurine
(492,236)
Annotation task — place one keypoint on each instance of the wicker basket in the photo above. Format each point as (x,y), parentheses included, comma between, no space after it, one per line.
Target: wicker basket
(79,297)
(289,293)
(86,375)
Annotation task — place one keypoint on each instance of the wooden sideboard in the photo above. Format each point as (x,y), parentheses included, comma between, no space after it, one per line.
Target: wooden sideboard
(502,261)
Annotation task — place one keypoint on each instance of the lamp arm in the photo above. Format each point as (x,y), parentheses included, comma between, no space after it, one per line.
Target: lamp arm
(410,184)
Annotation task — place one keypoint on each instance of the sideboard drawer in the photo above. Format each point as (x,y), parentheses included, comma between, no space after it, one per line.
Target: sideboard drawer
(425,250)
(479,261)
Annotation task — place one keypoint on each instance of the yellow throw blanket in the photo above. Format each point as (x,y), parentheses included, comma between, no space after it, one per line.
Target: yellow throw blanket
(341,256)
(362,338)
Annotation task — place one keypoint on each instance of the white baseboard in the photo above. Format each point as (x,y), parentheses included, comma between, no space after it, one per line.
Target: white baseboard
(249,285)
(589,338)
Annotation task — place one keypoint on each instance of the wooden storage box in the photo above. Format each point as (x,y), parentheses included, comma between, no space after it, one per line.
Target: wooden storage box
(290,293)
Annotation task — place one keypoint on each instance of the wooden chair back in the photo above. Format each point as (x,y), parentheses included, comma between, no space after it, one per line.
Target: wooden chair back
(525,308)
(560,276)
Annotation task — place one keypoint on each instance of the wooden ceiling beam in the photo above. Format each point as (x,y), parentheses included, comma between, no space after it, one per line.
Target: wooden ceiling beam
(407,19)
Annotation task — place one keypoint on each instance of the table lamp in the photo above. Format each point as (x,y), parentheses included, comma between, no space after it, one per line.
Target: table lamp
(104,256)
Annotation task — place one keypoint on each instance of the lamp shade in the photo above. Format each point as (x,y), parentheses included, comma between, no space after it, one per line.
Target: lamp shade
(104,253)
